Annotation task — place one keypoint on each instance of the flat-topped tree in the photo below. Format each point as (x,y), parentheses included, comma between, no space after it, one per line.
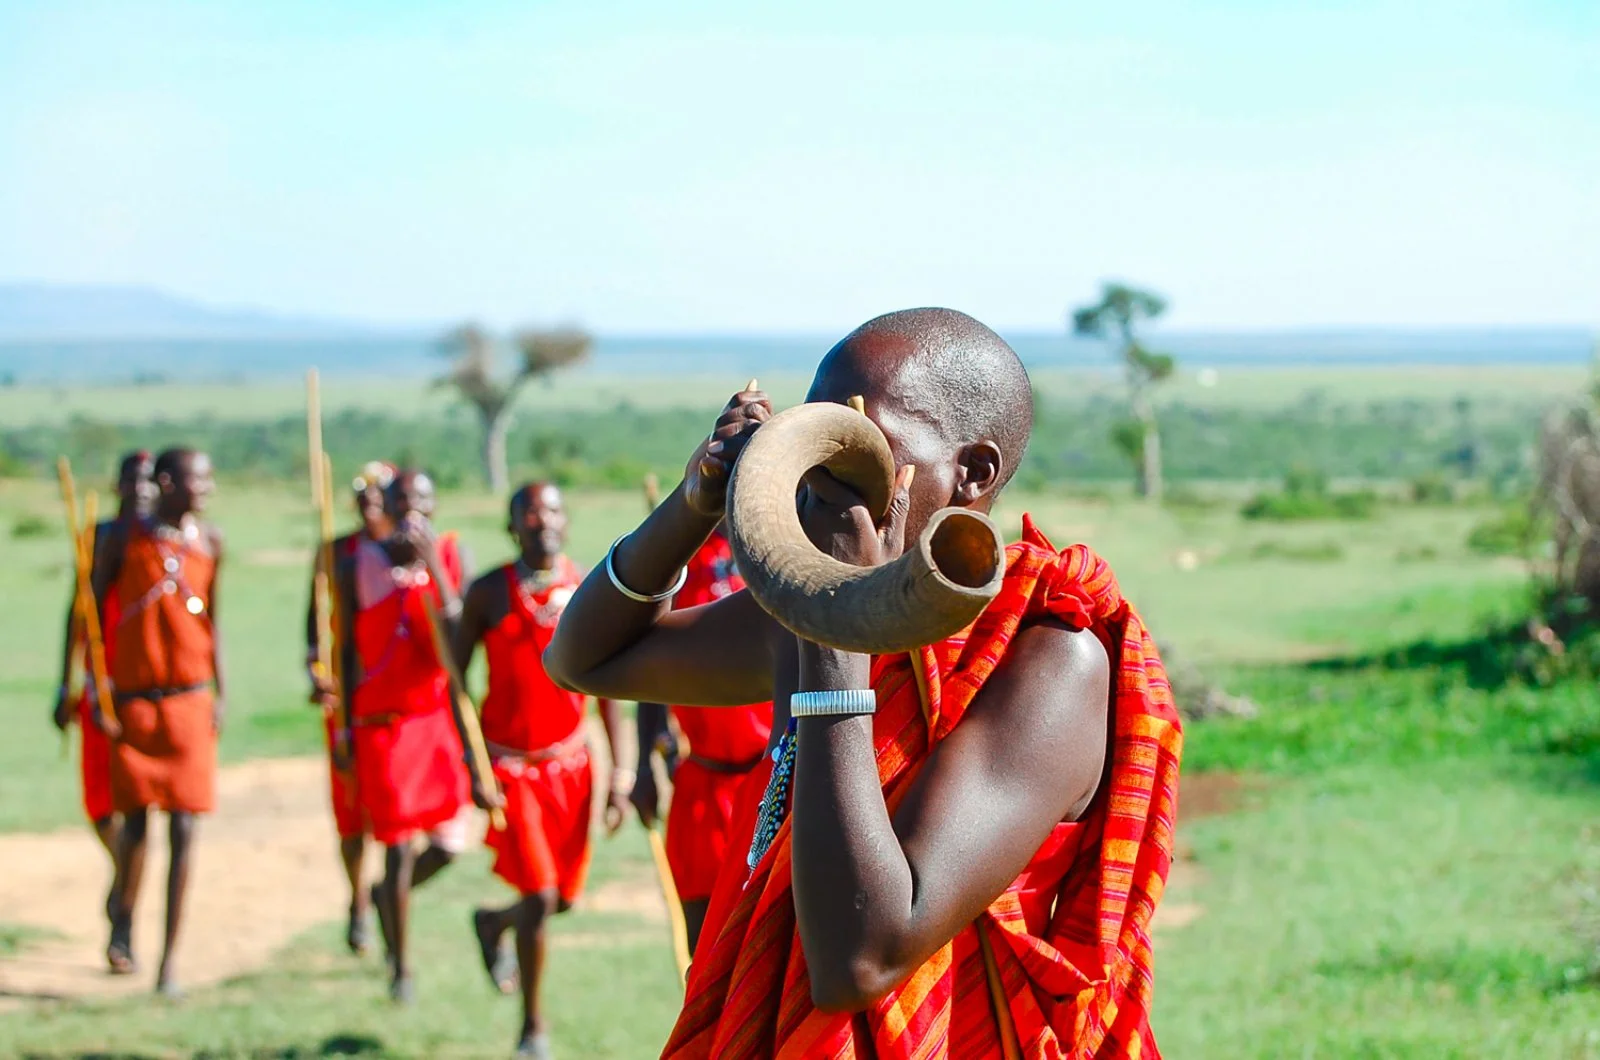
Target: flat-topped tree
(474,354)
(1114,316)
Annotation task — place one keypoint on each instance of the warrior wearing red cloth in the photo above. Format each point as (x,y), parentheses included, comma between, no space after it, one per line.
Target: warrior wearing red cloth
(136,490)
(165,660)
(368,488)
(410,773)
(537,742)
(725,746)
(959,848)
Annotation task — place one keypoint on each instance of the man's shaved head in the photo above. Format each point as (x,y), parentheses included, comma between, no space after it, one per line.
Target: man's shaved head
(949,394)
(953,372)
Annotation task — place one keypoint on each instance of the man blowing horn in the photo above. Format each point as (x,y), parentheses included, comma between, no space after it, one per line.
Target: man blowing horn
(960,847)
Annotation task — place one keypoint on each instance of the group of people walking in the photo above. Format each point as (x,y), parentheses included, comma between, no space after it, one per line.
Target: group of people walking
(950,851)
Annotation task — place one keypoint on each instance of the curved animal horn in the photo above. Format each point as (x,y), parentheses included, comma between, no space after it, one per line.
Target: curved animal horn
(936,588)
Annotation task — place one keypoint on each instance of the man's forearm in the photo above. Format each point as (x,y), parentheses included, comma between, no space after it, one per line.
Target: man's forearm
(852,884)
(600,621)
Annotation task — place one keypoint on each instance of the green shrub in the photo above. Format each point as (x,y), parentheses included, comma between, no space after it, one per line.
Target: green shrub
(1327,551)
(1512,531)
(31,526)
(1432,488)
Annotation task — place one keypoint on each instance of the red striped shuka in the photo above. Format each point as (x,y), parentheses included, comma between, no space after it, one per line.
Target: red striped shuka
(1059,965)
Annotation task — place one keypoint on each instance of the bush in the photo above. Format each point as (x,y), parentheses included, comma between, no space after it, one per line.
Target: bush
(1292,507)
(1512,531)
(1432,488)
(31,526)
(1299,551)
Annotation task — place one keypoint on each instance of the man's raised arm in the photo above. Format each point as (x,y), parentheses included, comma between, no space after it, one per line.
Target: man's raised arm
(610,643)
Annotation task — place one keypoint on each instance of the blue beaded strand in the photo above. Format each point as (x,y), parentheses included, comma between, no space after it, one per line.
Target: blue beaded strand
(775,800)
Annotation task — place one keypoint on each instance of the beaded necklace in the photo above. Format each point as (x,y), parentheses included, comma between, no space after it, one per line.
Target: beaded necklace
(775,800)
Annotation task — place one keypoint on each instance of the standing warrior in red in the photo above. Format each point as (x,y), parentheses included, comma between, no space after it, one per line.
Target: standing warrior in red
(165,660)
(536,739)
(136,494)
(411,778)
(725,746)
(347,820)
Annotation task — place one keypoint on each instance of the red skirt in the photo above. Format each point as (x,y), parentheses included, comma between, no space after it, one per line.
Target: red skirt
(409,774)
(545,844)
(700,827)
(166,756)
(94,763)
(347,817)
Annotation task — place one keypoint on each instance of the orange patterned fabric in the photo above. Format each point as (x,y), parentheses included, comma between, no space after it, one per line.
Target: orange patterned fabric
(1059,965)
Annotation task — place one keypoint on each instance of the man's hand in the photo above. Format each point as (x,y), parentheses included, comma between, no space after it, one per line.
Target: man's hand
(106,725)
(323,693)
(487,797)
(62,715)
(837,521)
(646,798)
(705,479)
(622,782)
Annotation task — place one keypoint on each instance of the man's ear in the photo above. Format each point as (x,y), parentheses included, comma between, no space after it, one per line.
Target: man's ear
(979,467)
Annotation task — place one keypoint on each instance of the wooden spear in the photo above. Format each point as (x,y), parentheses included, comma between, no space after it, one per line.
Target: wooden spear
(469,713)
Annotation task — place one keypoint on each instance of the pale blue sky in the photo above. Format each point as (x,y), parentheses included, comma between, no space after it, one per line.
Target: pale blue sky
(699,166)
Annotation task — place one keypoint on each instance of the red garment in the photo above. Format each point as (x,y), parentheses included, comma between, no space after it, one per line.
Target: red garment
(1068,940)
(410,772)
(94,752)
(524,709)
(534,730)
(162,664)
(545,843)
(700,818)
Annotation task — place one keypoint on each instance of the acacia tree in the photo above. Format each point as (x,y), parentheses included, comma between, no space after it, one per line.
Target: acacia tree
(474,355)
(1113,317)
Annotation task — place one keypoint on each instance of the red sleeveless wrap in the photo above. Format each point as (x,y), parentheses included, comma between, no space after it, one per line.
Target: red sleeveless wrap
(1069,939)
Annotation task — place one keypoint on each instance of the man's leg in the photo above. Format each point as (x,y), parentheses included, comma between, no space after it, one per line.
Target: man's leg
(434,859)
(125,890)
(353,851)
(396,898)
(108,830)
(531,915)
(491,925)
(181,828)
(694,918)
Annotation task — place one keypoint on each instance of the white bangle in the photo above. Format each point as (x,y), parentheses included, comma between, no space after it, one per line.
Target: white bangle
(643,598)
(843,703)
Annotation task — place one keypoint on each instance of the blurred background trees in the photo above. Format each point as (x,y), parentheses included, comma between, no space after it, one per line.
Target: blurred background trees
(474,373)
(1113,317)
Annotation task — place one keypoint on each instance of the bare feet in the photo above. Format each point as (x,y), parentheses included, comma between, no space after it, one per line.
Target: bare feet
(535,1045)
(167,985)
(498,960)
(401,992)
(119,951)
(357,935)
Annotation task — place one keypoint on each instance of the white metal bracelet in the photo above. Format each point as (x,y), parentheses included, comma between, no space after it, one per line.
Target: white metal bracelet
(846,702)
(643,598)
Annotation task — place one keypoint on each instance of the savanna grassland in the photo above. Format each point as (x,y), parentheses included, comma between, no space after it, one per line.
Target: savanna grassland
(1398,856)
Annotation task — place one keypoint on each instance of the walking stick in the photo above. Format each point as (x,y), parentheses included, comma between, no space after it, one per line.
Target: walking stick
(88,613)
(669,891)
(329,662)
(658,849)
(469,713)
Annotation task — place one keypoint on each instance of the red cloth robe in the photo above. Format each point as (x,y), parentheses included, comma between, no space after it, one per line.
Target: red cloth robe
(162,666)
(411,775)
(94,750)
(537,744)
(1059,965)
(725,744)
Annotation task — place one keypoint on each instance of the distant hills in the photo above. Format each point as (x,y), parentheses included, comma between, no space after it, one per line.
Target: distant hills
(108,334)
(42,312)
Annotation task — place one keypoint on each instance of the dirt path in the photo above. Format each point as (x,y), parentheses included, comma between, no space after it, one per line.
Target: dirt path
(270,848)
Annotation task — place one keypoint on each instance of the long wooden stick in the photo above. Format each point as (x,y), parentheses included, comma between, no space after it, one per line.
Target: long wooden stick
(469,713)
(88,612)
(317,464)
(669,891)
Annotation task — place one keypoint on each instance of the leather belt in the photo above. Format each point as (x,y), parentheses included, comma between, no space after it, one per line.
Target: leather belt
(712,765)
(561,749)
(156,695)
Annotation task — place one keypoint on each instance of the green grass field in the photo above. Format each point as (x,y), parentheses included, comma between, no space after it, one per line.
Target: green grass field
(1247,387)
(1412,868)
